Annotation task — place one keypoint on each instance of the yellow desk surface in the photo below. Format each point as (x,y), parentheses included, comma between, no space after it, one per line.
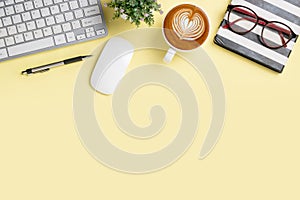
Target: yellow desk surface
(257,156)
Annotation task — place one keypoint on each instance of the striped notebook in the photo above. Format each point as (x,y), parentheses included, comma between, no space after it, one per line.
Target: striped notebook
(249,45)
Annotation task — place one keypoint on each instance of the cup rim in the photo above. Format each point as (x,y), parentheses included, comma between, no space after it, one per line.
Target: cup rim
(163,22)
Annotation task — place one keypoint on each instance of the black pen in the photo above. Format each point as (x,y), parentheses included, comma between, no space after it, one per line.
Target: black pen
(47,67)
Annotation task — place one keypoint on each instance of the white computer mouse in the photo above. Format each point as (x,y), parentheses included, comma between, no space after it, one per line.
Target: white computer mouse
(111,65)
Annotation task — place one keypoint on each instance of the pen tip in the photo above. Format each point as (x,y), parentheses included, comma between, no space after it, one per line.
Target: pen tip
(84,57)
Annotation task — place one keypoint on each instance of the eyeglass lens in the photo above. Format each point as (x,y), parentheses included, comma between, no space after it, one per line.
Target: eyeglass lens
(242,20)
(276,34)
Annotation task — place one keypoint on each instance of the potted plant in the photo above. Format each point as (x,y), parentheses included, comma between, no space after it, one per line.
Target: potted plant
(135,11)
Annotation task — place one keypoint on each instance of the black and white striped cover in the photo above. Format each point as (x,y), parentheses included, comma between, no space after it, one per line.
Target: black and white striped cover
(249,46)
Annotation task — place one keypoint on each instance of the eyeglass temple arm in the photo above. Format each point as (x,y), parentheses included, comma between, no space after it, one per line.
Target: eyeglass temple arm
(282,39)
(237,20)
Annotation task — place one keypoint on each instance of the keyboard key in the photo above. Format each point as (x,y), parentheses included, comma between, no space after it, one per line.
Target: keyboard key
(21,28)
(76,24)
(70,37)
(59,18)
(30,25)
(92,2)
(12,30)
(54,9)
(19,8)
(3,32)
(91,11)
(28,5)
(80,37)
(91,21)
(69,16)
(100,32)
(19,38)
(83,3)
(90,29)
(78,14)
(28,36)
(9,41)
(7,21)
(26,16)
(30,46)
(64,7)
(66,27)
(38,33)
(38,3)
(3,53)
(2,44)
(90,34)
(50,21)
(48,2)
(40,23)
(47,31)
(16,19)
(58,1)
(60,39)
(9,10)
(35,14)
(2,13)
(9,2)
(57,29)
(45,12)
(73,5)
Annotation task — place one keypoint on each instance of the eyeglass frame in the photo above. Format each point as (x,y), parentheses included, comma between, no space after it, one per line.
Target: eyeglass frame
(258,20)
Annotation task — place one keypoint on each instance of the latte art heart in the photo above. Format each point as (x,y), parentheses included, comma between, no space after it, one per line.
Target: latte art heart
(188,25)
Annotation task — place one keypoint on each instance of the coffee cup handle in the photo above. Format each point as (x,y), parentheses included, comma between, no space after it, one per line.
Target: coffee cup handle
(169,55)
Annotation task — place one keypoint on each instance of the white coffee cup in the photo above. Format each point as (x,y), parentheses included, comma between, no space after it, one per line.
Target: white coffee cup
(185,28)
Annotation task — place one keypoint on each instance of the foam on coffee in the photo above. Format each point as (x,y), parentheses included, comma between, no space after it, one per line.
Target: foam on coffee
(186,27)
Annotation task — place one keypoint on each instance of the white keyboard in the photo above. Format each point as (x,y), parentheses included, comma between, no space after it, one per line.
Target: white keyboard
(31,26)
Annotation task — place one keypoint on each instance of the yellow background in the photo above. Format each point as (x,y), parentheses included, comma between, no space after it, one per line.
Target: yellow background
(257,156)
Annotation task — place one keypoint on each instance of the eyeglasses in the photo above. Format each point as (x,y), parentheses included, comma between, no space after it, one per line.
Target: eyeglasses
(274,34)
